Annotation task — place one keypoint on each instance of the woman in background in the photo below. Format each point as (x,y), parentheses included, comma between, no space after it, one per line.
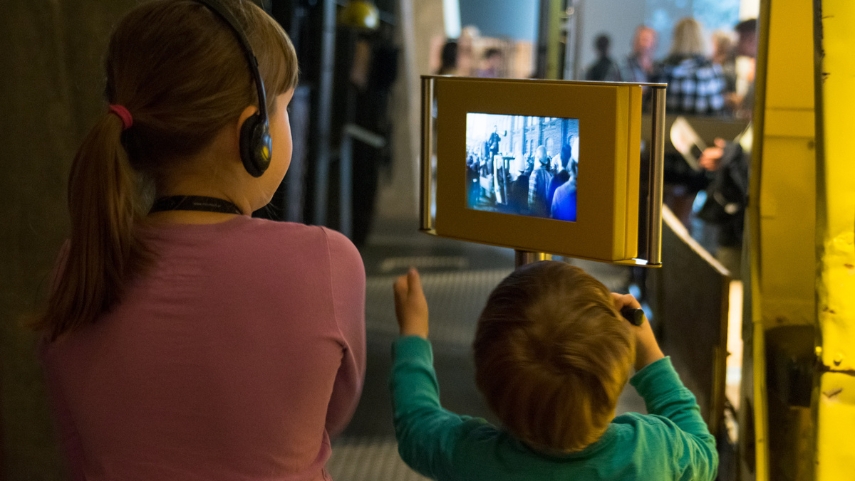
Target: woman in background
(696,85)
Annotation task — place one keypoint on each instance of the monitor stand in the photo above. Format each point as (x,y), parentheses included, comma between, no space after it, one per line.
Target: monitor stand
(527,257)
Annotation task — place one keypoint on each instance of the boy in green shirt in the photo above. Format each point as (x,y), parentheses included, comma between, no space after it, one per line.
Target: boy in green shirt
(552,354)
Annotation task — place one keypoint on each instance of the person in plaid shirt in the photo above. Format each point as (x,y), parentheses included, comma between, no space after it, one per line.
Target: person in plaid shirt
(695,84)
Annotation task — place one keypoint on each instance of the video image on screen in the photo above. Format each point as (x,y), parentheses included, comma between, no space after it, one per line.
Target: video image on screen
(522,165)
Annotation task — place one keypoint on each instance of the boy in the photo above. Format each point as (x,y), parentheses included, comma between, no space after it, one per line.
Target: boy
(552,355)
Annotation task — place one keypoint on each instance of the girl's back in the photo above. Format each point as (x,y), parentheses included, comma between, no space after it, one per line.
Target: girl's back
(222,361)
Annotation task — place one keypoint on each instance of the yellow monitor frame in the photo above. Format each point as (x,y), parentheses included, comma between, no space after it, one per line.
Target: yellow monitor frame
(609,115)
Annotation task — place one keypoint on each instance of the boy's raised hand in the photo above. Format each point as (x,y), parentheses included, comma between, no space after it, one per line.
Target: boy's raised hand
(646,348)
(410,305)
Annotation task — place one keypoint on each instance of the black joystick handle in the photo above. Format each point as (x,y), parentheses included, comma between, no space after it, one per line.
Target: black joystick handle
(633,314)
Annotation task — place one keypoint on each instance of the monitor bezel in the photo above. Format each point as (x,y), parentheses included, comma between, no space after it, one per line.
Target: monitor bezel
(609,152)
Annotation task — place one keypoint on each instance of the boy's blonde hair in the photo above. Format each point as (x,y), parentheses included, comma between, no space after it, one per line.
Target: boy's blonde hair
(552,356)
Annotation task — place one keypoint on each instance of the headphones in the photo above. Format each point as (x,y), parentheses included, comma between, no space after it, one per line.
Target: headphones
(255,142)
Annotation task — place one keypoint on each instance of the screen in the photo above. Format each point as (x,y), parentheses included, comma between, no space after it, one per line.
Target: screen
(522,165)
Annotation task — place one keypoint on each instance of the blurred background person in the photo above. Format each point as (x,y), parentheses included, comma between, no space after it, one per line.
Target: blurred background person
(448,59)
(742,101)
(695,83)
(466,50)
(638,65)
(695,87)
(605,67)
(492,64)
(724,55)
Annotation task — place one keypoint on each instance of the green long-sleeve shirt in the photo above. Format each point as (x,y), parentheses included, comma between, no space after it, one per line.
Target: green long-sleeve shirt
(672,442)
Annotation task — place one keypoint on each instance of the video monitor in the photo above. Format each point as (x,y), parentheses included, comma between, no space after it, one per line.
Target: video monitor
(536,165)
(522,165)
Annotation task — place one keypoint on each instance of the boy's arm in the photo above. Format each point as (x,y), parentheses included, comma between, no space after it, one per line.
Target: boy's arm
(425,432)
(665,395)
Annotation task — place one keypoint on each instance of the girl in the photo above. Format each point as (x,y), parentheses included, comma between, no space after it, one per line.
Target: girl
(183,338)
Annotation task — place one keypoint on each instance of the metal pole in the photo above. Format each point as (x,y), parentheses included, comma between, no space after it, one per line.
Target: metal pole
(325,94)
(345,187)
(657,159)
(522,258)
(426,195)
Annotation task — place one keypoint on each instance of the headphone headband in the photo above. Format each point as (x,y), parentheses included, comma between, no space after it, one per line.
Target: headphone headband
(255,142)
(216,7)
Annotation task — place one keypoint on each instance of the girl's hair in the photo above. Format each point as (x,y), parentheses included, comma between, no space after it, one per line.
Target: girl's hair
(181,72)
(688,38)
(552,356)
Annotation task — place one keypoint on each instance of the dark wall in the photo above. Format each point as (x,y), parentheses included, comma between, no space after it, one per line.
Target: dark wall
(50,94)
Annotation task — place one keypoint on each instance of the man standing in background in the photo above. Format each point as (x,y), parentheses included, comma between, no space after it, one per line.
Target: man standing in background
(638,65)
(604,68)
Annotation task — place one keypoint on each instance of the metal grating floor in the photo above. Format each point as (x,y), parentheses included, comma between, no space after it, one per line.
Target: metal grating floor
(457,278)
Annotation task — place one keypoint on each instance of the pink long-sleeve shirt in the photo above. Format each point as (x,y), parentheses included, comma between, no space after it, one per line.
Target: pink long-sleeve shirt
(235,357)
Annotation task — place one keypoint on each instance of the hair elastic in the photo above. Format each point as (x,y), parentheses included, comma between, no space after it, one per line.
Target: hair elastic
(124,114)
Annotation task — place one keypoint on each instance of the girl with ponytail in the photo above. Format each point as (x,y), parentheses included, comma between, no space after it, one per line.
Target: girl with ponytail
(184,339)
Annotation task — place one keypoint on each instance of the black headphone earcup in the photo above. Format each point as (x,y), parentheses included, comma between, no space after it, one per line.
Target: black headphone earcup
(255,145)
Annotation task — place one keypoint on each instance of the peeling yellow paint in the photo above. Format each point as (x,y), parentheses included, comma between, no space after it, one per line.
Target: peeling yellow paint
(782,215)
(836,411)
(836,244)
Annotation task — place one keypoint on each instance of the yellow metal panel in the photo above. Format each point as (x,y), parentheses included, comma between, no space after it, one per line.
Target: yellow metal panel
(788,216)
(788,181)
(782,213)
(836,221)
(761,424)
(790,60)
(791,123)
(836,455)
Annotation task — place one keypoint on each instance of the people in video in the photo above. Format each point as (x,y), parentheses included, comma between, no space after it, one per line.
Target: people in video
(552,355)
(538,184)
(488,189)
(561,174)
(473,176)
(563,204)
(510,169)
(519,188)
